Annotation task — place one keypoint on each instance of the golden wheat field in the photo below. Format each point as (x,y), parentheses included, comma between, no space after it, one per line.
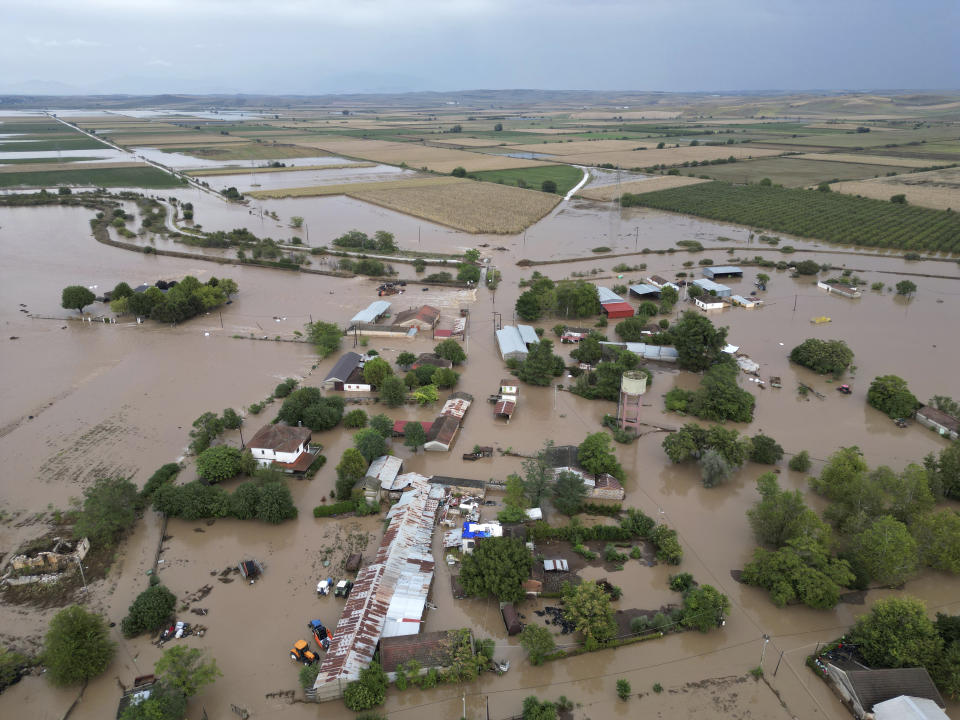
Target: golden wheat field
(938,189)
(352,188)
(580,147)
(173,138)
(238,170)
(474,207)
(662,182)
(866,159)
(455,141)
(416,155)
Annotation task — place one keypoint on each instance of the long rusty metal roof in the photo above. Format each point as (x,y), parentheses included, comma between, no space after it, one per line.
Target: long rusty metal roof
(390,593)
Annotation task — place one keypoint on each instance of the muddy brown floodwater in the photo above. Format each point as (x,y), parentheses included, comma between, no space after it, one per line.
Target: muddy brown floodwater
(85,400)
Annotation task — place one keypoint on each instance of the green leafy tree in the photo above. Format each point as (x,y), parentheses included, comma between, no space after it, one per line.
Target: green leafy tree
(823,356)
(533,709)
(382,424)
(231,419)
(685,444)
(589,350)
(514,501)
(149,612)
(944,470)
(370,443)
(468,273)
(704,608)
(765,450)
(782,515)
(538,642)
(406,359)
(897,633)
(459,172)
(595,455)
(109,508)
(244,501)
(906,287)
(699,344)
(275,503)
(76,297)
(451,350)
(426,394)
(576,299)
(121,290)
(218,463)
(800,570)
(720,398)
(714,469)
(538,475)
(355,419)
(186,669)
(205,429)
(444,378)
(884,552)
(77,646)
(325,336)
(539,365)
(414,436)
(351,468)
(623,689)
(375,371)
(529,306)
(938,540)
(384,241)
(889,394)
(393,393)
(497,566)
(587,607)
(548,186)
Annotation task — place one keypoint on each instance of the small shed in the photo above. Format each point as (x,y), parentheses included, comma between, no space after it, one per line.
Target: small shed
(373,312)
(644,290)
(341,371)
(709,303)
(744,301)
(615,310)
(835,288)
(557,565)
(939,421)
(508,386)
(442,433)
(511,619)
(381,476)
(505,408)
(721,271)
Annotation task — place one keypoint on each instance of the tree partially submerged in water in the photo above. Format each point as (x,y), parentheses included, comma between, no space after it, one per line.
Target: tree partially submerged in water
(76,297)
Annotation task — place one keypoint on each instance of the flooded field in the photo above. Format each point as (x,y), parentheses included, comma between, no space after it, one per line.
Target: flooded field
(85,400)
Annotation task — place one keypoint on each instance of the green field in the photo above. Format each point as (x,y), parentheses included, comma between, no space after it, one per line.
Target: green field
(795,172)
(565,176)
(832,217)
(877,138)
(31,161)
(73,142)
(39,127)
(145,177)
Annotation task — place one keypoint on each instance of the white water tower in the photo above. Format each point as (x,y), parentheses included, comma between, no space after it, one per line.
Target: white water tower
(633,385)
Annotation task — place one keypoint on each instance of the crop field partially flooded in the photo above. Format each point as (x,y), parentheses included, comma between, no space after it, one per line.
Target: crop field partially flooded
(98,394)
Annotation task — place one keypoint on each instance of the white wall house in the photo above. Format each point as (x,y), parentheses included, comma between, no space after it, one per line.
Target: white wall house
(279,444)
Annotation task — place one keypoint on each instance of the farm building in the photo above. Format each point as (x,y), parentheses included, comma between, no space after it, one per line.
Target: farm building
(399,427)
(747,302)
(722,271)
(430,650)
(839,289)
(600,487)
(616,310)
(473,531)
(645,291)
(511,619)
(457,404)
(390,594)
(464,486)
(431,359)
(939,421)
(662,282)
(865,689)
(342,370)
(511,344)
(528,335)
(442,433)
(424,317)
(373,312)
(709,303)
(505,407)
(607,295)
(286,448)
(382,478)
(663,353)
(712,288)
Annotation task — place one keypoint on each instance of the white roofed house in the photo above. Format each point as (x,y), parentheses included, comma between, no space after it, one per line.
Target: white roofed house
(511,344)
(286,447)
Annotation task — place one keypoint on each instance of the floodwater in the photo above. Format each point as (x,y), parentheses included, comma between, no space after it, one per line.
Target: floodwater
(306,178)
(119,399)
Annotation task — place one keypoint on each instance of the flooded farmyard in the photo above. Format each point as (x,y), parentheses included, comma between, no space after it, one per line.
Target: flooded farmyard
(84,400)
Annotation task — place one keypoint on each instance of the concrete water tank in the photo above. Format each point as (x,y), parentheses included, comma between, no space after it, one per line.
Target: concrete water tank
(634,382)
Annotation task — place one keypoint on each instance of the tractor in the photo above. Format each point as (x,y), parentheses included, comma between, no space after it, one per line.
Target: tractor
(301,652)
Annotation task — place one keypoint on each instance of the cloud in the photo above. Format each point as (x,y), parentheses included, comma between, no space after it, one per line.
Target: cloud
(160,63)
(80,42)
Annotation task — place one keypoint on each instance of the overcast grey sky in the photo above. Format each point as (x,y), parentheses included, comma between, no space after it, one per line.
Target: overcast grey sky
(321,46)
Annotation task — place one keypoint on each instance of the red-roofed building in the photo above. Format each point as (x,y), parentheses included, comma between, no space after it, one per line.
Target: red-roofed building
(399,427)
(615,310)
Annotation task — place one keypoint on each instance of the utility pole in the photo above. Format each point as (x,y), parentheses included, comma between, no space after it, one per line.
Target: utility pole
(243,445)
(763,650)
(636,242)
(794,303)
(221,320)
(778,664)
(556,391)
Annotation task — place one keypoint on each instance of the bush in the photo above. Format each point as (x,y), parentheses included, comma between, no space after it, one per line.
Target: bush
(149,612)
(800,462)
(367,692)
(218,463)
(285,388)
(681,583)
(231,420)
(623,689)
(889,394)
(166,473)
(765,450)
(639,624)
(823,356)
(109,508)
(308,675)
